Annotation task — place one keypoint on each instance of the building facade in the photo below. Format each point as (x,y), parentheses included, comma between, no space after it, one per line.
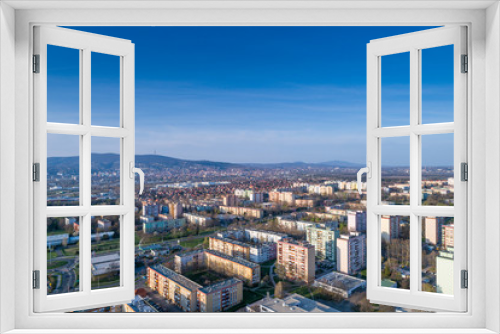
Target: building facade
(296,260)
(390,227)
(324,241)
(356,221)
(221,263)
(448,238)
(242,211)
(174,287)
(433,229)
(162,225)
(351,253)
(198,219)
(220,296)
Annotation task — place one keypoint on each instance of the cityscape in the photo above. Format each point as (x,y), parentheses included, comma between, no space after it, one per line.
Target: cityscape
(227,237)
(250,139)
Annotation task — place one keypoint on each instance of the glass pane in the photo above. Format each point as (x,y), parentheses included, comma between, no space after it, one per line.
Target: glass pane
(395,246)
(437,84)
(63,255)
(437,169)
(105,252)
(395,89)
(437,254)
(105,89)
(63,85)
(63,168)
(395,170)
(105,171)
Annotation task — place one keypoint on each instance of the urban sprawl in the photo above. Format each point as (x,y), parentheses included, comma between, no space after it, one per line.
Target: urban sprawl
(251,239)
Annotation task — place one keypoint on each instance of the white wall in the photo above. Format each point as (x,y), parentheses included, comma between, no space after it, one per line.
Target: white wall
(7,160)
(492,164)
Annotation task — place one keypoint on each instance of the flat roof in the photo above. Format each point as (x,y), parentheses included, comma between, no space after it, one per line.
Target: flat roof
(294,303)
(219,285)
(233,259)
(177,278)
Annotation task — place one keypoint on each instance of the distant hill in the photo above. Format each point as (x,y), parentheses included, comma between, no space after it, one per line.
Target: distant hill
(107,161)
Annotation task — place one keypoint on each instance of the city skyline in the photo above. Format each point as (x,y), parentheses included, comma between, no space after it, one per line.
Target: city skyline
(252,94)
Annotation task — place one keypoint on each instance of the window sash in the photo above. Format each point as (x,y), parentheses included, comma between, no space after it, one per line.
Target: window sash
(86,43)
(413,43)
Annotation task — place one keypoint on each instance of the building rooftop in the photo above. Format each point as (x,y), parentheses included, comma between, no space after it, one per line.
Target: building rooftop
(292,241)
(219,285)
(268,232)
(189,253)
(96,259)
(341,281)
(294,303)
(178,278)
(233,259)
(233,241)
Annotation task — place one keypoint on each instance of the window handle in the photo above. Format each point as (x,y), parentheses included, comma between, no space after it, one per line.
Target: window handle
(139,171)
(368,171)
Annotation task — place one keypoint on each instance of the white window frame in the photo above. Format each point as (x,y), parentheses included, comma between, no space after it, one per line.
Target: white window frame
(86,44)
(483,21)
(414,43)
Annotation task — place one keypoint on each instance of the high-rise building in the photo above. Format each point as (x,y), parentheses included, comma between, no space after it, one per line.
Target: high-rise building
(444,272)
(230,200)
(448,238)
(356,221)
(260,252)
(296,260)
(433,228)
(390,227)
(351,253)
(324,241)
(175,210)
(149,209)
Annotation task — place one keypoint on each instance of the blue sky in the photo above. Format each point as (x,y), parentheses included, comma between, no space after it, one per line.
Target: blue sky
(254,94)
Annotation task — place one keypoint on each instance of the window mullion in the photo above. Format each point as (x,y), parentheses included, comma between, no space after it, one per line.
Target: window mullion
(415,158)
(86,176)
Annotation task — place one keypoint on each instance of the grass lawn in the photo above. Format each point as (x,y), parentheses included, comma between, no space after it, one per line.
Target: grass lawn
(106,281)
(191,243)
(71,251)
(363,274)
(105,246)
(56,264)
(51,255)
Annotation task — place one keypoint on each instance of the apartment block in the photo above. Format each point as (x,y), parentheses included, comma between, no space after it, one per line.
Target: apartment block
(448,238)
(390,227)
(263,236)
(324,241)
(247,271)
(198,219)
(433,229)
(351,253)
(230,247)
(175,210)
(286,197)
(242,211)
(259,253)
(230,200)
(356,221)
(444,271)
(296,259)
(174,287)
(104,224)
(162,225)
(220,296)
(191,261)
(149,209)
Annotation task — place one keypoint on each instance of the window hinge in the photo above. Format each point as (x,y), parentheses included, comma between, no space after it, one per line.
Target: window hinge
(465,64)
(465,279)
(36,172)
(36,63)
(36,279)
(464,171)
